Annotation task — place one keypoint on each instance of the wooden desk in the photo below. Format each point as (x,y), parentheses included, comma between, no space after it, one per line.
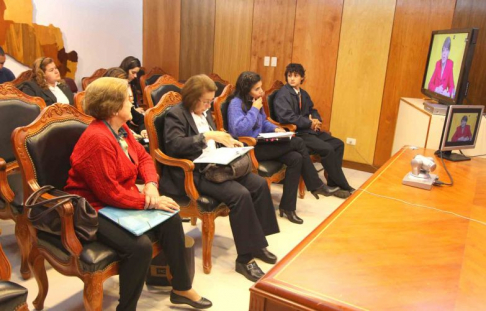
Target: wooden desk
(380,254)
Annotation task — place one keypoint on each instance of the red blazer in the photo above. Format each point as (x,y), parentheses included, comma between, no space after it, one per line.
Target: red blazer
(103,174)
(447,79)
(462,133)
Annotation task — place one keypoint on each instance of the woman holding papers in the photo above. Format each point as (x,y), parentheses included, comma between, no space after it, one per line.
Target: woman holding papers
(188,133)
(247,118)
(105,163)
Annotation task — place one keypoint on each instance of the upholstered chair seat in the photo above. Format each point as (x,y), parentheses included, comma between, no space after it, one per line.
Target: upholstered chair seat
(12,295)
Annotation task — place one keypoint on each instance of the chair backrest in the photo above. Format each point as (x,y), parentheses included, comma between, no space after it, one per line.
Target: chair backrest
(72,85)
(221,108)
(16,109)
(153,93)
(155,122)
(269,97)
(150,77)
(220,83)
(87,80)
(24,76)
(78,101)
(43,148)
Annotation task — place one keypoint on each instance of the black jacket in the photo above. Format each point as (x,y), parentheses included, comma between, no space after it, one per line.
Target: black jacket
(33,89)
(181,140)
(286,107)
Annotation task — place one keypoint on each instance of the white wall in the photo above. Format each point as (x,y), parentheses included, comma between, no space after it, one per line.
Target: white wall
(102,32)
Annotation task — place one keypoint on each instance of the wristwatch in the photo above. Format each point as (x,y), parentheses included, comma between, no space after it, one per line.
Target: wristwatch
(153,183)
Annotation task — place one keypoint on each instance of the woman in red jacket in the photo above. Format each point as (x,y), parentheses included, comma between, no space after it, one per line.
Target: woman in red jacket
(442,80)
(463,131)
(105,163)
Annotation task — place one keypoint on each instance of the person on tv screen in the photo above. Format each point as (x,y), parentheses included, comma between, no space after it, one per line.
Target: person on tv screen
(442,81)
(463,131)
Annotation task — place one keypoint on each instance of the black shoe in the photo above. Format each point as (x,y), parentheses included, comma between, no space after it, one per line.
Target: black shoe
(324,190)
(292,216)
(203,303)
(265,256)
(251,270)
(344,194)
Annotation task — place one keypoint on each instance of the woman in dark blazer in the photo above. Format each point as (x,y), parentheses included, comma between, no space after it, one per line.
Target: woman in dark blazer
(247,118)
(46,83)
(188,132)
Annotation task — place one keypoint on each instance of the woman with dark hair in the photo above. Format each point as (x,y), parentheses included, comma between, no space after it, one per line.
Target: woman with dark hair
(463,131)
(132,67)
(46,83)
(442,80)
(189,131)
(247,118)
(137,123)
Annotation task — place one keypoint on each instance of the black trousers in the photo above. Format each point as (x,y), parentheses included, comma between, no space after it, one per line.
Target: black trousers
(251,216)
(295,156)
(331,150)
(136,255)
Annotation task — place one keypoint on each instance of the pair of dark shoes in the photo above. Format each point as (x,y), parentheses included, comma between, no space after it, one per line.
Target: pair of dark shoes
(203,303)
(292,216)
(324,190)
(344,194)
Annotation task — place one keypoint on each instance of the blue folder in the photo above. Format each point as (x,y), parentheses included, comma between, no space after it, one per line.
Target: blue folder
(136,221)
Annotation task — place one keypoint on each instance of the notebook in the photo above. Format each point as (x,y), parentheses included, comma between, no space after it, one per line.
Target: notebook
(136,221)
(270,138)
(222,155)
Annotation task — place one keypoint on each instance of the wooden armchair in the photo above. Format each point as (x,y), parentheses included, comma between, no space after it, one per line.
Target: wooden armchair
(43,150)
(16,109)
(272,171)
(153,93)
(87,80)
(78,101)
(151,77)
(12,296)
(192,204)
(220,83)
(24,76)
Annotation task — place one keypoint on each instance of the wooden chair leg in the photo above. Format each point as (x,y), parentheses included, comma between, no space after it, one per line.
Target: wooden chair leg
(301,188)
(23,241)
(193,221)
(36,261)
(207,241)
(269,183)
(93,292)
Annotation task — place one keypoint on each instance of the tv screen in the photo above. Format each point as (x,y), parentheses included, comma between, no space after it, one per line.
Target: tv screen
(461,127)
(448,63)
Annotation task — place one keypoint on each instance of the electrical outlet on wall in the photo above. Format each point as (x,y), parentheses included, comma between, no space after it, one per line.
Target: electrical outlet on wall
(351,141)
(266,61)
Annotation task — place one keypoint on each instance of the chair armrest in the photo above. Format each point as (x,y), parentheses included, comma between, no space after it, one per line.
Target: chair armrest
(68,237)
(289,127)
(250,141)
(188,167)
(5,192)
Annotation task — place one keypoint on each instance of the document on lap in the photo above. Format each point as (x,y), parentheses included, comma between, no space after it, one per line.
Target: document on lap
(276,134)
(222,155)
(136,221)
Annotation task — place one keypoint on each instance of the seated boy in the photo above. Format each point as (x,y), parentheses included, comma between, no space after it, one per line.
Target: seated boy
(293,105)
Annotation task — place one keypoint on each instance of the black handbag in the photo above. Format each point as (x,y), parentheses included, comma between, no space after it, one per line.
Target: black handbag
(237,168)
(47,218)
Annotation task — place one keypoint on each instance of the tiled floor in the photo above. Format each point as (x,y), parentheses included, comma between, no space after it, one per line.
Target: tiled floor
(227,289)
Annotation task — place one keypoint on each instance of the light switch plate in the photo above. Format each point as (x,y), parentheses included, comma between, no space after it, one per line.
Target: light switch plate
(266,61)
(274,62)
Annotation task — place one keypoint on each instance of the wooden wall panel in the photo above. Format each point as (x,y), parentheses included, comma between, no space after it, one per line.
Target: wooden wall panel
(363,54)
(272,35)
(316,42)
(232,38)
(161,35)
(197,37)
(412,27)
(472,13)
